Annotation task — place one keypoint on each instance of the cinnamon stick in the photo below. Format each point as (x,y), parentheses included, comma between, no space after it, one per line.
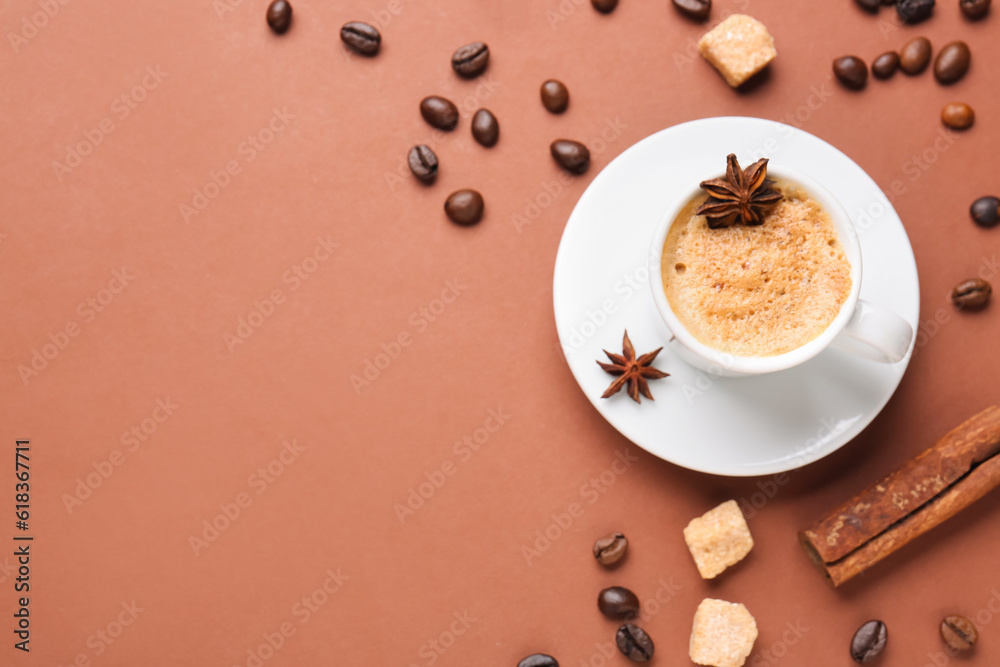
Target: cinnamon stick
(937,484)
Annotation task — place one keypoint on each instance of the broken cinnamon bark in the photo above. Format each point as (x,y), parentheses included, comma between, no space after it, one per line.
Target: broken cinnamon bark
(941,481)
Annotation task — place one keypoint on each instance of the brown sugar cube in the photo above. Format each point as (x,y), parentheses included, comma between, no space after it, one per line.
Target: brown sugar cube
(722,635)
(717,539)
(739,47)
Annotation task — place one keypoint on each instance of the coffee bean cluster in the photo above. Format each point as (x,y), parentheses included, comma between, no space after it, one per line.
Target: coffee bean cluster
(950,65)
(958,633)
(617,603)
(915,11)
(466,206)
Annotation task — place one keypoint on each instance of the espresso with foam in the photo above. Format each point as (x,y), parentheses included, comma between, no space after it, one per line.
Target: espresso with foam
(757,291)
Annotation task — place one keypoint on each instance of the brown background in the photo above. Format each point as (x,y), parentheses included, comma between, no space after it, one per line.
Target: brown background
(494,347)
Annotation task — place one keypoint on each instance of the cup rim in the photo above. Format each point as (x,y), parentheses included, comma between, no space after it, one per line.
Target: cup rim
(846,232)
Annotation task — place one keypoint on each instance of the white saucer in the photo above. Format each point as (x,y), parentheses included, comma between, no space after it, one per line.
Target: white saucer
(724,426)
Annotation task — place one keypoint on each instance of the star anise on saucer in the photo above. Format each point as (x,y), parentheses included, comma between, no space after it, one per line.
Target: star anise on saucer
(743,195)
(631,371)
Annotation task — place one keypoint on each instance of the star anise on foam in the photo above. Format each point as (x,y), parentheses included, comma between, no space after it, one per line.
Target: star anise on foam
(631,371)
(743,195)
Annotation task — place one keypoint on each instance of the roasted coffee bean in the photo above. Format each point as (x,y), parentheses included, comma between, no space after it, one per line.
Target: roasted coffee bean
(952,62)
(885,65)
(361,37)
(958,115)
(694,9)
(869,641)
(851,71)
(915,55)
(959,633)
(618,602)
(439,112)
(870,5)
(611,548)
(985,211)
(485,128)
(279,16)
(423,163)
(604,6)
(571,155)
(539,660)
(634,643)
(974,9)
(464,207)
(914,11)
(555,96)
(971,294)
(471,59)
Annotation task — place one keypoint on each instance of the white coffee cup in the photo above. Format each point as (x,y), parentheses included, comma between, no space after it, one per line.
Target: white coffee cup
(860,328)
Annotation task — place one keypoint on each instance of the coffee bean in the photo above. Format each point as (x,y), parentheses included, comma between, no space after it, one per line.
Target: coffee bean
(439,112)
(611,548)
(423,163)
(279,16)
(870,5)
(618,602)
(985,211)
(952,62)
(571,155)
(471,59)
(361,37)
(958,115)
(555,96)
(485,128)
(885,65)
(869,641)
(604,6)
(914,11)
(464,207)
(634,643)
(539,660)
(915,55)
(974,9)
(694,9)
(971,294)
(959,633)
(851,71)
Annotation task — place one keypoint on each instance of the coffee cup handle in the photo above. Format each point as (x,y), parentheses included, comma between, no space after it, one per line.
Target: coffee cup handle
(875,333)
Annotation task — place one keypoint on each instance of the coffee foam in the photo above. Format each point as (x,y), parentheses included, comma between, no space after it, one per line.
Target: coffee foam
(757,291)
